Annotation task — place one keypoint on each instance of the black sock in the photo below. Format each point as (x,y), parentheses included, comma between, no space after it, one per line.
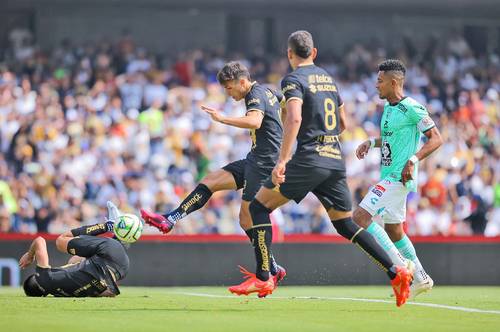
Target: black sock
(194,201)
(249,233)
(262,236)
(367,243)
(274,265)
(93,229)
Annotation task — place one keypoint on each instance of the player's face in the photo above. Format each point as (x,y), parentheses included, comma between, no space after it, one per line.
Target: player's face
(384,85)
(234,89)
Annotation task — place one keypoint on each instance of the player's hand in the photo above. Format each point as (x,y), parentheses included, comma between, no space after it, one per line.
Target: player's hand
(407,173)
(26,260)
(214,114)
(278,174)
(363,149)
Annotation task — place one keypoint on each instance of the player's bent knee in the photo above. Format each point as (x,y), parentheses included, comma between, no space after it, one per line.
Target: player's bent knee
(362,217)
(62,243)
(259,213)
(337,215)
(346,228)
(245,220)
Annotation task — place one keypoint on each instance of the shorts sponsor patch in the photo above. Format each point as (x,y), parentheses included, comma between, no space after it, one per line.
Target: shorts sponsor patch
(378,190)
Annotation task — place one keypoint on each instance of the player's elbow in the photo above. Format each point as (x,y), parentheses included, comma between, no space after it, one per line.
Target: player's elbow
(438,139)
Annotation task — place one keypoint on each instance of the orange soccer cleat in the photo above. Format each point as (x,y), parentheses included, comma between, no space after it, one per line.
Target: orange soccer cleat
(401,285)
(253,285)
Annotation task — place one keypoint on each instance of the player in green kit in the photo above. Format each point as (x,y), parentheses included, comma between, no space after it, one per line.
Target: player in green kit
(403,121)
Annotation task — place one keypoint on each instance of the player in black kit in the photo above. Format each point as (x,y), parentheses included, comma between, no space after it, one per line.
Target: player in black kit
(315,118)
(98,263)
(263,118)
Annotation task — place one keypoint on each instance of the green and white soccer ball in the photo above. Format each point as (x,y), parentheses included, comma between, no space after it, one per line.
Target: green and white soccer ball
(128,228)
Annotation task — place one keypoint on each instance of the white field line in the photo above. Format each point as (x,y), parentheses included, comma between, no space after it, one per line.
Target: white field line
(431,305)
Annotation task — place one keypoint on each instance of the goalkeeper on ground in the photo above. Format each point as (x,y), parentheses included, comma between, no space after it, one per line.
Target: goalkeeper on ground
(96,266)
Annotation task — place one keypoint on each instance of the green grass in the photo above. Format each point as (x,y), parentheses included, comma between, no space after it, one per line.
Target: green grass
(172,309)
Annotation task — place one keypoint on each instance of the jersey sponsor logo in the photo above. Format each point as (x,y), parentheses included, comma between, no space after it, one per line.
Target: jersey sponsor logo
(402,108)
(387,133)
(386,124)
(315,78)
(328,152)
(254,101)
(386,154)
(378,190)
(272,99)
(289,86)
(322,88)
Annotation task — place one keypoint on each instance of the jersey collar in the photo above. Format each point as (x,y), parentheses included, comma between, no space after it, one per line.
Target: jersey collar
(396,103)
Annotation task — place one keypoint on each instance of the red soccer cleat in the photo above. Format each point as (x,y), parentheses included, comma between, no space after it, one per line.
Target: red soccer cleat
(279,276)
(401,285)
(157,220)
(253,285)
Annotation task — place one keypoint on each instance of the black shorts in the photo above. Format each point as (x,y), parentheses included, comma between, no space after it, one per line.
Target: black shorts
(248,176)
(101,250)
(329,186)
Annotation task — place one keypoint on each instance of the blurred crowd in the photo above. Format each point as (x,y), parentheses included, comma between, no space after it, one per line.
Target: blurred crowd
(83,124)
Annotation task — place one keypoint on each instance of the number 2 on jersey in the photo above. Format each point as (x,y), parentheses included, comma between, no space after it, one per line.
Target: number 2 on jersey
(330,118)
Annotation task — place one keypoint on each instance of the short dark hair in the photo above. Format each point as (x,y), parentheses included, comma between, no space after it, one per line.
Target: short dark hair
(32,287)
(392,65)
(232,71)
(301,43)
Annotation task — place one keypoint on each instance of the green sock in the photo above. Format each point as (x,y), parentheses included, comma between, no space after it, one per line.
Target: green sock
(406,248)
(385,242)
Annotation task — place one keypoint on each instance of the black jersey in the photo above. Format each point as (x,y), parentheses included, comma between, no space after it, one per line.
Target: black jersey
(266,141)
(317,141)
(106,263)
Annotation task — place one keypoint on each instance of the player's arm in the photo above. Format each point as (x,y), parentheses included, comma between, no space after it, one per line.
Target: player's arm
(38,252)
(434,141)
(252,120)
(291,128)
(364,147)
(342,118)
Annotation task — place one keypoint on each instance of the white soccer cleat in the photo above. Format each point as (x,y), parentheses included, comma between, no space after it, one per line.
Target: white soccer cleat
(419,287)
(113,212)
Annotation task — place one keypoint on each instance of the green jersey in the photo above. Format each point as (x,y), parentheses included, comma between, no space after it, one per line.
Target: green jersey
(400,130)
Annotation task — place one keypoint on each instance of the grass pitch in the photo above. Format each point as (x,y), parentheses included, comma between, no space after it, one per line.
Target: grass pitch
(289,309)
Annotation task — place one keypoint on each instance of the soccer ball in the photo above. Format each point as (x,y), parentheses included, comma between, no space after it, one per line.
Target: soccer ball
(128,228)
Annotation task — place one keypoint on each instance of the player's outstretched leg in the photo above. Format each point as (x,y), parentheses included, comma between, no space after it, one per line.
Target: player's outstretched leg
(400,276)
(216,181)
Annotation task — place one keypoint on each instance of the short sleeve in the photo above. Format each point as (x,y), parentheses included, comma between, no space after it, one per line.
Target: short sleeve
(255,102)
(418,115)
(292,88)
